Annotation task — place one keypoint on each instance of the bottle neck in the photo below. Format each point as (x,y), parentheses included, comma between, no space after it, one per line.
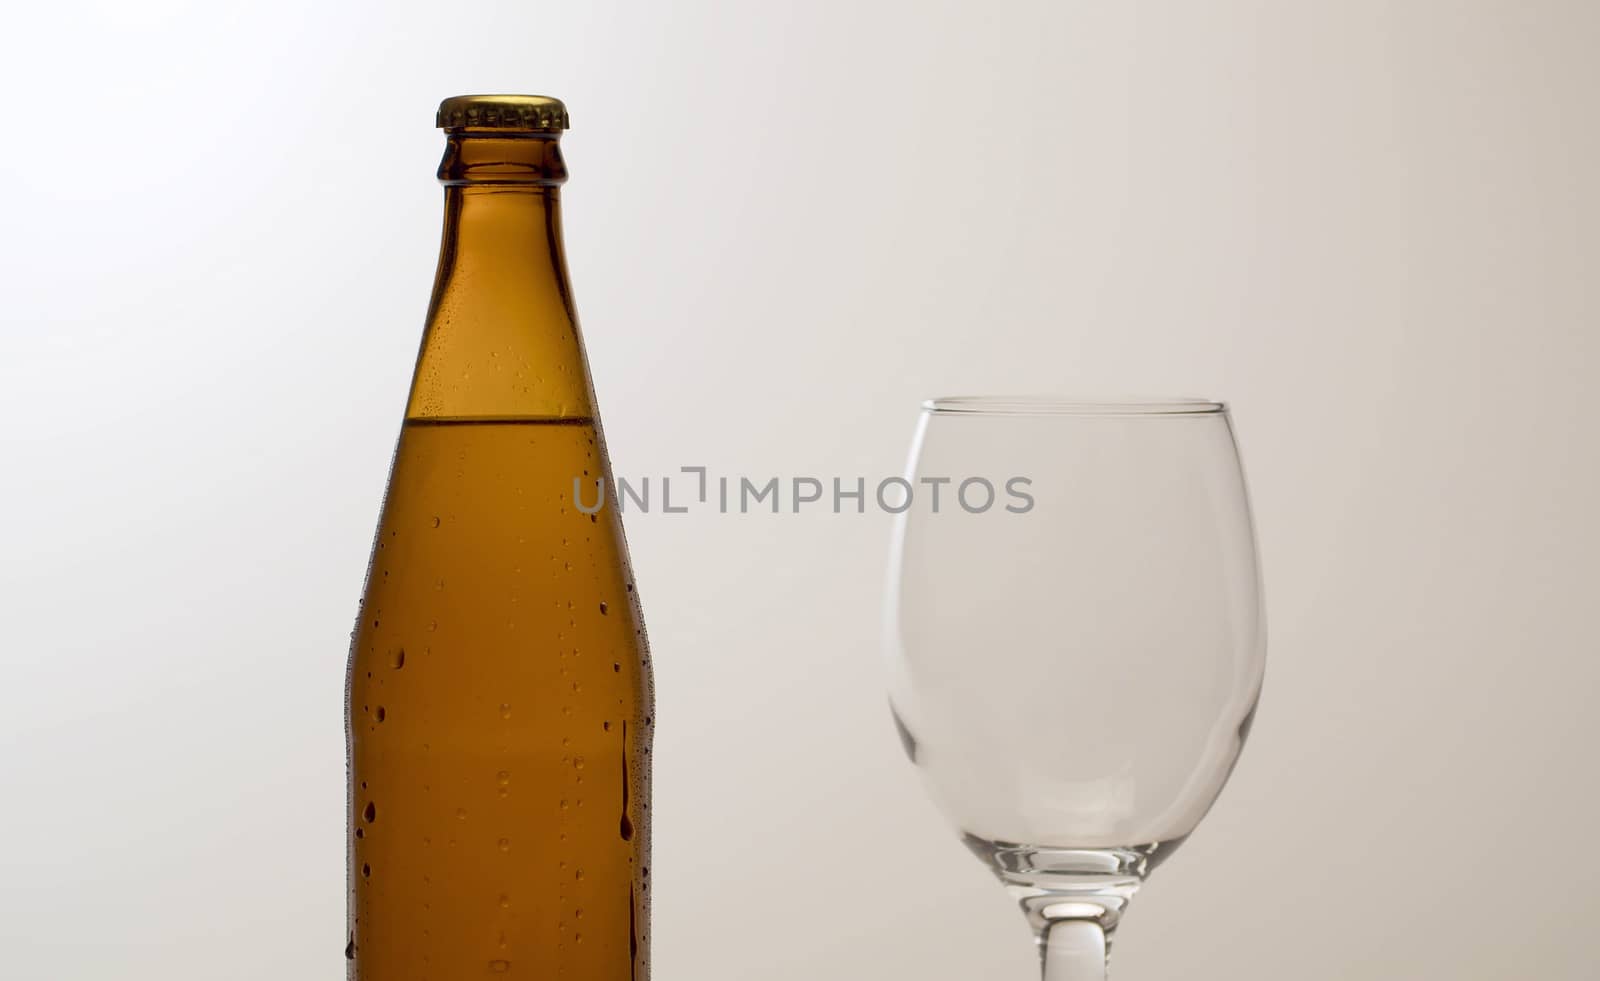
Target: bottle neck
(501,339)
(502,215)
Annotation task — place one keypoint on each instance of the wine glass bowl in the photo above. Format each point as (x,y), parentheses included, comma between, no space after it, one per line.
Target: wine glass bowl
(1074,673)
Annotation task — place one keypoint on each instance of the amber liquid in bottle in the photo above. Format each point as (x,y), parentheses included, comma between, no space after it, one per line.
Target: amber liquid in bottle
(499,690)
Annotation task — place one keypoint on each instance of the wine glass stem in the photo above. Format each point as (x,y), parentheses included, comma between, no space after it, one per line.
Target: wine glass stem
(1074,950)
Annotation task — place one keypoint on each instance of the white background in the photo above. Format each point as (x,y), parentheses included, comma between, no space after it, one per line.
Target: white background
(1372,226)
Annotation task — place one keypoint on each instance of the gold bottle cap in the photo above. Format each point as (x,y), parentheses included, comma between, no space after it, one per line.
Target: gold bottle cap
(505,113)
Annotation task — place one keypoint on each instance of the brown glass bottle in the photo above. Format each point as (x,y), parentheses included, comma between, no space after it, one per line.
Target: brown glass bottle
(499,690)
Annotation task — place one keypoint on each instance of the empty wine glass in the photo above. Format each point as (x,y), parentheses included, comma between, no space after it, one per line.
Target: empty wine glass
(1076,642)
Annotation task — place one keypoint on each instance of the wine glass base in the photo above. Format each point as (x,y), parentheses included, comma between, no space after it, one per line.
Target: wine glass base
(1056,884)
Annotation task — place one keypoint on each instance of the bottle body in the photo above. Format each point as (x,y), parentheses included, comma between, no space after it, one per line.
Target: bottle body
(499,692)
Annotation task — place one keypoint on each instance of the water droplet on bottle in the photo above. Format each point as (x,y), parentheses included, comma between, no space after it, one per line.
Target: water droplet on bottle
(578,874)
(366,871)
(577,914)
(350,948)
(360,833)
(505,844)
(577,762)
(563,803)
(502,940)
(503,777)
(461,814)
(606,725)
(371,813)
(616,667)
(436,521)
(505,901)
(379,713)
(397,660)
(499,967)
(505,710)
(602,609)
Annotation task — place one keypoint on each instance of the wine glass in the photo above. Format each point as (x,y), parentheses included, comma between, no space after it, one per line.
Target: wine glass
(1075,642)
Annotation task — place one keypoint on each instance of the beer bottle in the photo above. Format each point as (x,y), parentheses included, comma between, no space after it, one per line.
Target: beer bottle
(499,692)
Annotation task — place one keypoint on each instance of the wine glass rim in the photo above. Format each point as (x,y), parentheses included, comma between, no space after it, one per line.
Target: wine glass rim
(1054,405)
